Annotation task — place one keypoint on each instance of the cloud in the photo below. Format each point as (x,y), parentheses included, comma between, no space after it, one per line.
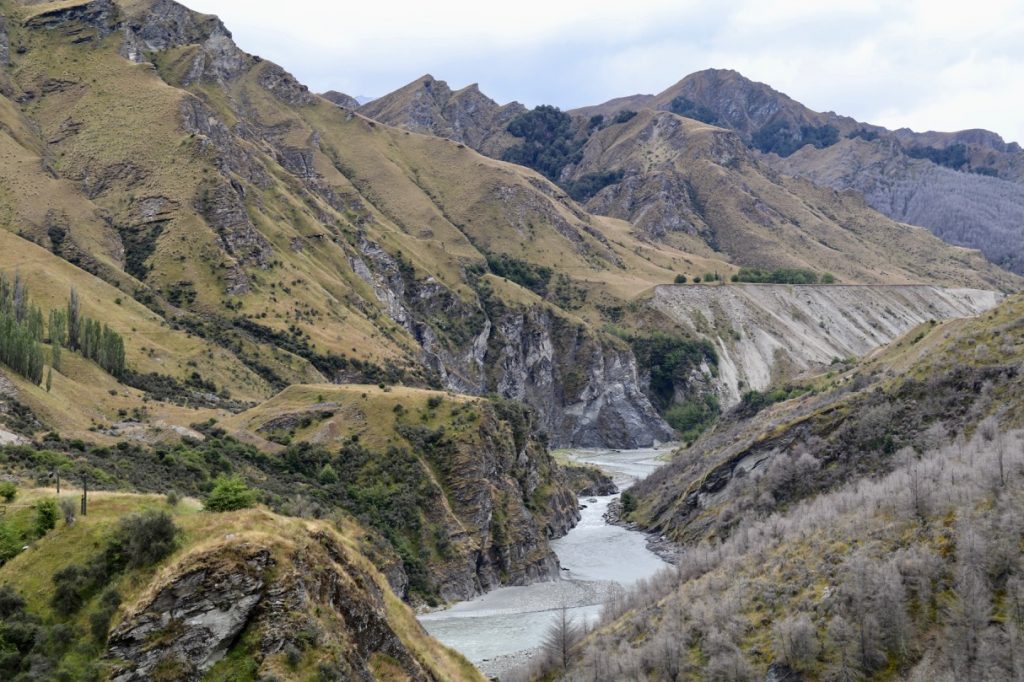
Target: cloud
(917,63)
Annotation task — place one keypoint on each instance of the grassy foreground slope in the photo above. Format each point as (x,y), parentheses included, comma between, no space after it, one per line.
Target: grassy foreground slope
(254,594)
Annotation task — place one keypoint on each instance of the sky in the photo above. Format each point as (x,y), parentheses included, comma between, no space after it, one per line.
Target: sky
(927,65)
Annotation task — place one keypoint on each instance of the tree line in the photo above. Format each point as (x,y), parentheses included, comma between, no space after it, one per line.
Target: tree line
(23,330)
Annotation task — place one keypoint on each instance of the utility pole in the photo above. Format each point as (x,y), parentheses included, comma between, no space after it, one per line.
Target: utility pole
(85,494)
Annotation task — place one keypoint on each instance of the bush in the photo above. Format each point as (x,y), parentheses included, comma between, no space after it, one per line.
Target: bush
(680,279)
(68,508)
(173,498)
(99,621)
(142,540)
(46,517)
(71,585)
(230,493)
(8,491)
(696,280)
(10,544)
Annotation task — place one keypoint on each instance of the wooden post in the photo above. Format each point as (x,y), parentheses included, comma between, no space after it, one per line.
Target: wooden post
(85,494)
(58,481)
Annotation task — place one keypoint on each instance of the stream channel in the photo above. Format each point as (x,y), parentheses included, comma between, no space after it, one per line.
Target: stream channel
(501,629)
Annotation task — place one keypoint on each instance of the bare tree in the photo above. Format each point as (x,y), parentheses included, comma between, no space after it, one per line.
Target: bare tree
(561,639)
(795,641)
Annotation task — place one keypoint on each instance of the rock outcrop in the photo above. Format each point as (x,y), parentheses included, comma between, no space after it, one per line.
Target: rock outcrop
(341,99)
(307,597)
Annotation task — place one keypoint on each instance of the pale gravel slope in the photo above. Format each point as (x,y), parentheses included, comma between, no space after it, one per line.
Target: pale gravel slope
(767,332)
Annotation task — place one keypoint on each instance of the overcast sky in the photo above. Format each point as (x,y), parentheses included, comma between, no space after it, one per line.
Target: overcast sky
(935,64)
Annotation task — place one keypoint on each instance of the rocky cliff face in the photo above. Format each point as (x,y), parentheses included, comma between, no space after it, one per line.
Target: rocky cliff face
(304,598)
(505,498)
(765,333)
(585,388)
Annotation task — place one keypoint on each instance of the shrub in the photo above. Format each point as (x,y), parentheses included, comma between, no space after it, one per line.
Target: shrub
(71,584)
(680,279)
(99,621)
(8,491)
(696,280)
(46,517)
(67,508)
(142,540)
(230,493)
(173,498)
(327,475)
(10,544)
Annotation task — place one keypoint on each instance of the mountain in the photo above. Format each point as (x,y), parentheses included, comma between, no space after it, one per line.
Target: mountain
(963,186)
(308,243)
(429,106)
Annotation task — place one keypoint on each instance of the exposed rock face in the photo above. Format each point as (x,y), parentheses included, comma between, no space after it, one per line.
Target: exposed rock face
(279,595)
(224,210)
(197,616)
(766,332)
(341,99)
(5,45)
(497,540)
(586,389)
(429,106)
(86,23)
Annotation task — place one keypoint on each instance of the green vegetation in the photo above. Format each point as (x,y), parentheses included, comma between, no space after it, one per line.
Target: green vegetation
(693,417)
(862,133)
(8,491)
(548,143)
(21,330)
(46,516)
(670,360)
(624,116)
(779,138)
(954,156)
(590,184)
(690,109)
(140,540)
(229,494)
(781,276)
(533,277)
(680,279)
(753,402)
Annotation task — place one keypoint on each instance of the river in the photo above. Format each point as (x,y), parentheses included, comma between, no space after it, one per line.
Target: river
(501,628)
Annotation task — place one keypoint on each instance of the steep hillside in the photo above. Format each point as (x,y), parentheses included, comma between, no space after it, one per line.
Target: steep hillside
(701,189)
(429,106)
(462,493)
(309,243)
(200,595)
(768,333)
